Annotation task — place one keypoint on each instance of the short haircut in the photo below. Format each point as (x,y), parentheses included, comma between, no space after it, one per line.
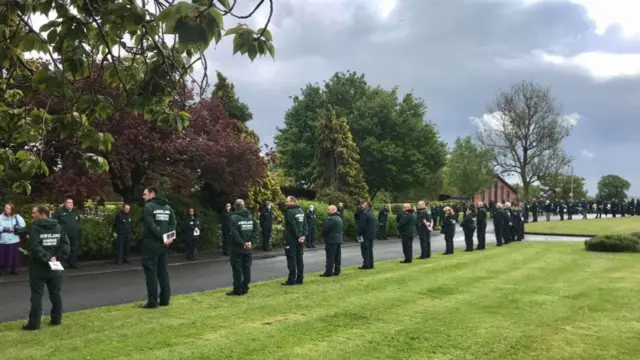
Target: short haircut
(239,204)
(368,204)
(67,198)
(153,189)
(333,208)
(43,210)
(292,199)
(125,205)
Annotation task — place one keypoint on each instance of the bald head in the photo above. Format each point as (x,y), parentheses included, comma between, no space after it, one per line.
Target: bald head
(499,205)
(239,204)
(406,207)
(291,201)
(480,204)
(332,209)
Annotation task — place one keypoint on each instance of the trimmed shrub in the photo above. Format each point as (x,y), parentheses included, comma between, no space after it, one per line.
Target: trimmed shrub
(614,243)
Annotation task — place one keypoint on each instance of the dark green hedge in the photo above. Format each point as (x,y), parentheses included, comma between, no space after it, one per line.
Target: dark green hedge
(614,243)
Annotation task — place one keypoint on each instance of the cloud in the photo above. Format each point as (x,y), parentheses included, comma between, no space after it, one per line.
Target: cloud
(587,154)
(496,120)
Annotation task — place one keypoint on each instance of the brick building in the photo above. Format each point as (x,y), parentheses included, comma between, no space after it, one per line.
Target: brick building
(499,190)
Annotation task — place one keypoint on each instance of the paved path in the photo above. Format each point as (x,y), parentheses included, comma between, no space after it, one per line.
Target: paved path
(102,285)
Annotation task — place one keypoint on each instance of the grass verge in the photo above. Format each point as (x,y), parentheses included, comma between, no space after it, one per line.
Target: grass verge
(523,301)
(620,225)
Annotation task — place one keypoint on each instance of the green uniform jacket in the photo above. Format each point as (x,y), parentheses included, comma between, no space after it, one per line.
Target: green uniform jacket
(468,223)
(423,214)
(332,229)
(295,225)
(69,220)
(407,223)
(158,219)
(367,225)
(47,239)
(481,217)
(243,230)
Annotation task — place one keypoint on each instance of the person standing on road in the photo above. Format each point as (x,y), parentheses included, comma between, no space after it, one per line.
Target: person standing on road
(244,233)
(11,226)
(47,244)
(407,221)
(311,225)
(383,217)
(425,226)
(68,218)
(332,230)
(123,229)
(367,233)
(191,234)
(295,227)
(449,229)
(159,220)
(226,228)
(266,225)
(481,223)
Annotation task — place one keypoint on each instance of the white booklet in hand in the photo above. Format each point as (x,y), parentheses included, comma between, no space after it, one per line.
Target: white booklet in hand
(169,237)
(196,232)
(56,266)
(359,238)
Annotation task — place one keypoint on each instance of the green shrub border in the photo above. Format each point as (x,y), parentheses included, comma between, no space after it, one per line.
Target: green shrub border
(618,243)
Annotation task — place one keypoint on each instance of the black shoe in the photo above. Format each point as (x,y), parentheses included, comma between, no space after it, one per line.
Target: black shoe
(299,282)
(422,258)
(233,293)
(336,273)
(224,253)
(163,304)
(447,253)
(126,262)
(468,250)
(148,306)
(313,246)
(286,283)
(29,327)
(55,323)
(326,275)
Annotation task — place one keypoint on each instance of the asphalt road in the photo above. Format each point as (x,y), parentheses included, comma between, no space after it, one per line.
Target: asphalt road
(103,285)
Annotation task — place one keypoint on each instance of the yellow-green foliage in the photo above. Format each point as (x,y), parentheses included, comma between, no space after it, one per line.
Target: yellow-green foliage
(269,190)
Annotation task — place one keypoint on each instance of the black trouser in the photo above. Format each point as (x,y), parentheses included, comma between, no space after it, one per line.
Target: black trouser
(74,243)
(425,244)
(241,270)
(266,236)
(37,281)
(561,216)
(499,234)
(382,230)
(521,232)
(156,272)
(570,216)
(190,246)
(123,247)
(226,236)
(311,235)
(468,239)
(448,241)
(366,249)
(482,236)
(295,262)
(535,216)
(334,258)
(599,214)
(407,248)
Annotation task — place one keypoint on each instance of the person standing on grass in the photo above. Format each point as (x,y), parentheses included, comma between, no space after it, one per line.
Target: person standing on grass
(367,232)
(295,228)
(159,220)
(332,230)
(468,226)
(498,224)
(449,229)
(425,227)
(11,226)
(191,234)
(123,230)
(244,233)
(311,225)
(407,221)
(481,224)
(67,216)
(47,244)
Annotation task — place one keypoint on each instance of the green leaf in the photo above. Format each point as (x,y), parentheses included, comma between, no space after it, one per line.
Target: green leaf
(233,31)
(253,51)
(271,50)
(217,16)
(50,25)
(96,164)
(52,36)
(266,34)
(225,4)
(21,187)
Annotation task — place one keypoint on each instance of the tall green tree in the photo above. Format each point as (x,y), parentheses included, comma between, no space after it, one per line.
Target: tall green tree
(469,167)
(398,148)
(226,92)
(558,187)
(336,162)
(613,187)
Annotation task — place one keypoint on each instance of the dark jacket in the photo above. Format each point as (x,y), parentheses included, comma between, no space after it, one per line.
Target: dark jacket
(295,225)
(383,215)
(47,239)
(311,219)
(341,213)
(332,229)
(367,225)
(192,224)
(122,224)
(226,222)
(243,230)
(266,217)
(468,223)
(481,218)
(158,219)
(69,220)
(407,223)
(449,225)
(423,215)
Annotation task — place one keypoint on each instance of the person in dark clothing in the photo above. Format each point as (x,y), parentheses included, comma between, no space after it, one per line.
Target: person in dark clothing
(244,234)
(508,225)
(481,226)
(498,225)
(266,225)
(383,217)
(561,210)
(68,218)
(468,226)
(614,208)
(47,244)
(449,229)
(534,210)
(518,224)
(332,230)
(424,228)
(341,211)
(525,212)
(191,234)
(225,223)
(159,221)
(311,225)
(434,217)
(407,228)
(366,234)
(123,229)
(295,228)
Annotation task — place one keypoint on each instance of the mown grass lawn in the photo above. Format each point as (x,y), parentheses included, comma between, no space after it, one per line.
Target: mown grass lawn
(522,301)
(619,225)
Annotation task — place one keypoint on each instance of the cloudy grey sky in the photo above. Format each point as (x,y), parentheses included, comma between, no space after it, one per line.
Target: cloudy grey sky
(456,54)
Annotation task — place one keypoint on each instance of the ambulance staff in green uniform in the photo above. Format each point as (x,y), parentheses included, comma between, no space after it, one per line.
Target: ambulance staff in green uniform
(47,243)
(158,219)
(68,218)
(244,234)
